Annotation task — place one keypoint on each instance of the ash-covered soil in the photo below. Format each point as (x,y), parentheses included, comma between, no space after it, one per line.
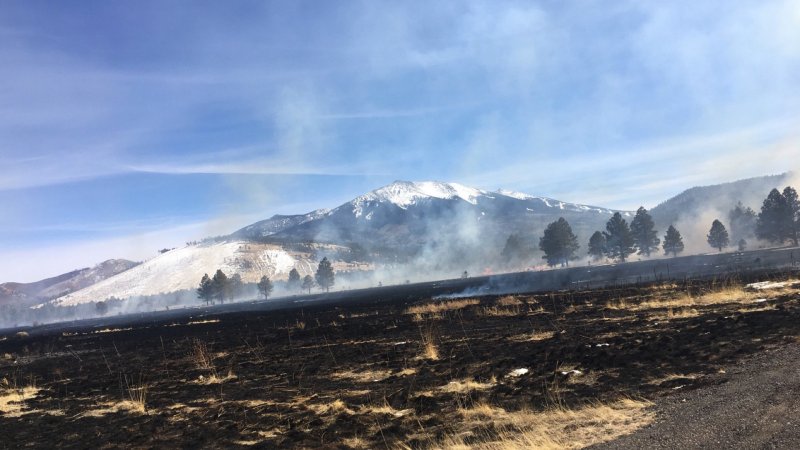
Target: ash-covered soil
(380,374)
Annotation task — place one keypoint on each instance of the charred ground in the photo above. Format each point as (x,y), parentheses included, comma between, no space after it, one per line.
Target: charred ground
(414,372)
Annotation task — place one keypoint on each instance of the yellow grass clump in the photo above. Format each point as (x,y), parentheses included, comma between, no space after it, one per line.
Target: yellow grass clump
(13,398)
(435,308)
(557,428)
(509,300)
(429,349)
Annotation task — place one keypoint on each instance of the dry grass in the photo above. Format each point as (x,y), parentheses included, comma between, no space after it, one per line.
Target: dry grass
(465,386)
(214,378)
(509,300)
(201,356)
(335,407)
(498,311)
(534,336)
(671,377)
(13,397)
(675,313)
(497,429)
(356,442)
(682,305)
(362,376)
(371,376)
(436,308)
(137,396)
(384,408)
(429,349)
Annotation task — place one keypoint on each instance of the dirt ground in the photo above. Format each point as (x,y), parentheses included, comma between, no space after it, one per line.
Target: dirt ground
(562,369)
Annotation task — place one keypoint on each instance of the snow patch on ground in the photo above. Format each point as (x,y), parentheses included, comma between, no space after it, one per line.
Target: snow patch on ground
(518,372)
(763,285)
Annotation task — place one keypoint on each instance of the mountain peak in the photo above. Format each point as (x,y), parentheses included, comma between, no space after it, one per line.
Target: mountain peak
(406,193)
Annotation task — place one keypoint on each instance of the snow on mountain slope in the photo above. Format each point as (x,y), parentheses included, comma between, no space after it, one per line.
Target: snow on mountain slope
(276,224)
(182,269)
(407,193)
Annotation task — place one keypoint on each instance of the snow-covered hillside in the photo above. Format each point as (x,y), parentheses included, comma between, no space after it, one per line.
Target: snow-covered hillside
(182,269)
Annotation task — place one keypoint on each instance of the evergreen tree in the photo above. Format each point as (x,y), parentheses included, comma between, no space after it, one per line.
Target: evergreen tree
(294,280)
(774,221)
(645,237)
(515,251)
(220,286)
(206,290)
(673,242)
(742,220)
(236,287)
(793,213)
(597,246)
(619,239)
(559,243)
(718,236)
(324,276)
(265,287)
(742,245)
(308,283)
(101,308)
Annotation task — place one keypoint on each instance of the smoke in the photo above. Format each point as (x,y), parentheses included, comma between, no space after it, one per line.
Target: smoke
(695,210)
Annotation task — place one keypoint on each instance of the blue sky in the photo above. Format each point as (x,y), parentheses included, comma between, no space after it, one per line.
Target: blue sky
(129,126)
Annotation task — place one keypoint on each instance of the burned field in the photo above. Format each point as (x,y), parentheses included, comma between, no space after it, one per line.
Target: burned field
(567,368)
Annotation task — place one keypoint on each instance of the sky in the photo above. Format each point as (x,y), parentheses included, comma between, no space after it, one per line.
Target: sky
(126,127)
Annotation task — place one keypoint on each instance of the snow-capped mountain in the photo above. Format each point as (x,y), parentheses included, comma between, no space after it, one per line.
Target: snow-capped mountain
(405,204)
(404,216)
(443,225)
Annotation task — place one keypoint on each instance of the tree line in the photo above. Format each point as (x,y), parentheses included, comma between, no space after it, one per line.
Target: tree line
(777,222)
(220,287)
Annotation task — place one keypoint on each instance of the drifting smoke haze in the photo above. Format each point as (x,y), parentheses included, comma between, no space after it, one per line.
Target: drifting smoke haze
(693,211)
(160,128)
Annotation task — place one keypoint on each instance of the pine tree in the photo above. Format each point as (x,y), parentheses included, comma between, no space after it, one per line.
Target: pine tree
(742,220)
(236,287)
(793,213)
(559,243)
(645,237)
(619,239)
(774,221)
(673,242)
(294,280)
(206,290)
(597,246)
(265,287)
(324,276)
(308,283)
(718,236)
(515,251)
(220,286)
